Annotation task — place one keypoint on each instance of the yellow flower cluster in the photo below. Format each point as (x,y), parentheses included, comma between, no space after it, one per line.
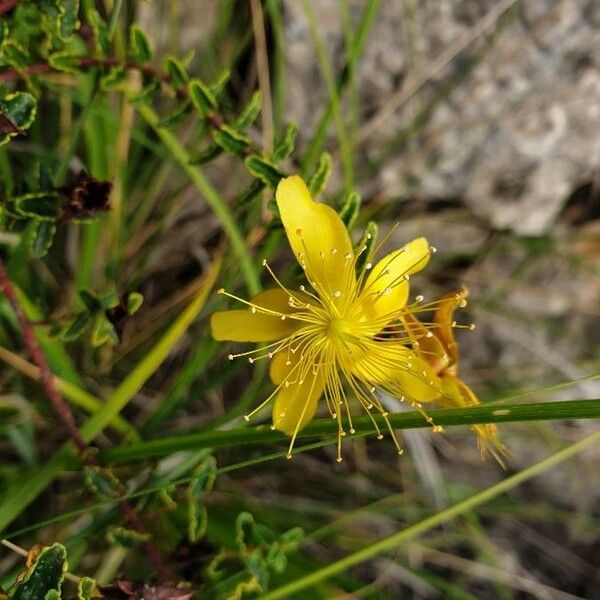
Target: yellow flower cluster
(351,332)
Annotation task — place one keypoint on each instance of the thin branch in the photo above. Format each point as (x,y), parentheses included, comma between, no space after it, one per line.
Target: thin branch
(61,408)
(63,411)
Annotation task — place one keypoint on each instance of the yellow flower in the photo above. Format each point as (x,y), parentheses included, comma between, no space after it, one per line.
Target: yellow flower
(342,333)
(436,345)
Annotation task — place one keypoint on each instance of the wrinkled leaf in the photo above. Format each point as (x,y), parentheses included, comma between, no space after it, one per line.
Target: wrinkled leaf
(45,574)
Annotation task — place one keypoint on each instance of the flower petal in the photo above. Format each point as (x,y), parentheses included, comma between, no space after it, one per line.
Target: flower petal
(318,238)
(425,343)
(245,326)
(396,368)
(443,318)
(458,394)
(386,290)
(296,404)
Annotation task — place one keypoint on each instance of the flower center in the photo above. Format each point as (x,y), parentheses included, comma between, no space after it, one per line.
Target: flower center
(339,329)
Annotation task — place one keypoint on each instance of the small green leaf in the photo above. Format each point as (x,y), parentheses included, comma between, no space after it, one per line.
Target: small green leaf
(44,575)
(150,87)
(43,205)
(203,479)
(319,179)
(114,79)
(139,46)
(250,112)
(52,595)
(19,109)
(65,61)
(42,238)
(128,538)
(263,169)
(76,327)
(350,209)
(14,55)
(287,144)
(103,332)
(177,71)
(134,301)
(108,300)
(364,249)
(276,559)
(101,482)
(255,188)
(90,300)
(176,116)
(202,97)
(201,157)
(232,141)
(69,22)
(86,589)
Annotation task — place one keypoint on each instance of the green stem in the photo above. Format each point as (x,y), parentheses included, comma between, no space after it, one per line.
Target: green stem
(543,411)
(401,537)
(209,193)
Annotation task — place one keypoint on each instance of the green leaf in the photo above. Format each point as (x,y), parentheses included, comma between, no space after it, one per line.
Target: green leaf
(69,22)
(232,141)
(90,300)
(86,589)
(255,188)
(202,97)
(64,60)
(149,89)
(319,179)
(76,327)
(134,301)
(287,144)
(44,575)
(203,479)
(52,595)
(128,538)
(139,46)
(350,209)
(201,157)
(108,300)
(114,79)
(250,112)
(20,109)
(101,482)
(276,558)
(14,55)
(44,206)
(263,169)
(103,332)
(177,71)
(364,249)
(176,116)
(42,237)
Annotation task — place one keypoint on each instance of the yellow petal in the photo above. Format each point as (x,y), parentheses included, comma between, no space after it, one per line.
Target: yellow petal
(396,368)
(279,369)
(296,405)
(248,326)
(386,290)
(443,319)
(458,394)
(318,238)
(245,326)
(425,343)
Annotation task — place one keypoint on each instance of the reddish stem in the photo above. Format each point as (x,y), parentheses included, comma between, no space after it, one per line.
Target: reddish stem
(6,5)
(63,411)
(61,408)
